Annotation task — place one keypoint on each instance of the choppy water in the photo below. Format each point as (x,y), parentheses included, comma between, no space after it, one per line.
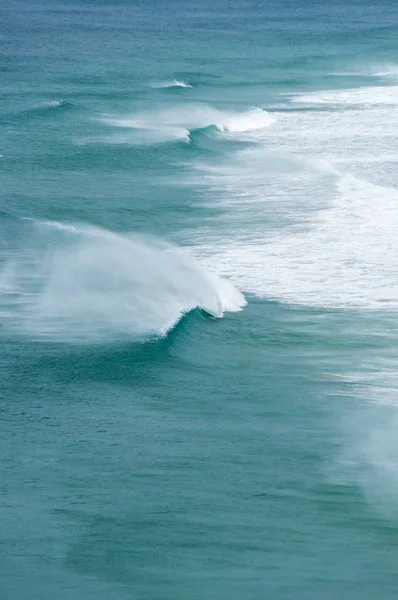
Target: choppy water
(162,163)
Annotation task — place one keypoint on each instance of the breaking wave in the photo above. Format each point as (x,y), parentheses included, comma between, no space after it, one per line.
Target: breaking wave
(178,122)
(74,283)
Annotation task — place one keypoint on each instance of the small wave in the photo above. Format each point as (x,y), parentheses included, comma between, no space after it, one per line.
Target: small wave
(74,283)
(175,83)
(178,122)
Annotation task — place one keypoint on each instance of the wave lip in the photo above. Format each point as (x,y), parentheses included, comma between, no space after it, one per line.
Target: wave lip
(81,284)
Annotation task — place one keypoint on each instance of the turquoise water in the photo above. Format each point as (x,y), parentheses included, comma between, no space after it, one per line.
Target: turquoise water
(198,300)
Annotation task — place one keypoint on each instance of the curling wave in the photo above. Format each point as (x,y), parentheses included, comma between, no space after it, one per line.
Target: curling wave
(73,283)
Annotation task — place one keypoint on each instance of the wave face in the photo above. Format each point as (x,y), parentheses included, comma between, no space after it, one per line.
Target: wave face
(84,284)
(177,122)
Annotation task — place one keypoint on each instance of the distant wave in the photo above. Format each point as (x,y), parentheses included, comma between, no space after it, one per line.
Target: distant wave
(175,83)
(178,122)
(76,283)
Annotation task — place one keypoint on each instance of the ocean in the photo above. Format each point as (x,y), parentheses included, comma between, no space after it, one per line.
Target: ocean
(198,300)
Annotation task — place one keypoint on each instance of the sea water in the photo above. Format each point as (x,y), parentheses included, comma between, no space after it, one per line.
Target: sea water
(198,300)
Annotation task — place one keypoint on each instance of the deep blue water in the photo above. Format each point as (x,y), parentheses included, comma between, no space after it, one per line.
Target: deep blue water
(198,300)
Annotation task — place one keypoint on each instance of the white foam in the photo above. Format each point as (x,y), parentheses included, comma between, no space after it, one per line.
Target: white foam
(346,256)
(311,215)
(84,284)
(292,228)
